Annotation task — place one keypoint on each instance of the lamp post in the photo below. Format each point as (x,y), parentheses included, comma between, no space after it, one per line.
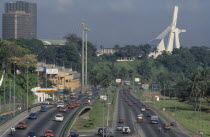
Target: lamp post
(10,94)
(14,90)
(27,85)
(86,29)
(83,35)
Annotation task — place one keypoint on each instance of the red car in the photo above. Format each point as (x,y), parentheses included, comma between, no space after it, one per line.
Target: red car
(121,121)
(70,106)
(62,109)
(147,108)
(21,125)
(86,101)
(48,133)
(130,104)
(135,102)
(167,127)
(77,104)
(126,100)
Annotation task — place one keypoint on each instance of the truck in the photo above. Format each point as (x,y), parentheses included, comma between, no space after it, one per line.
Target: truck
(154,119)
(126,130)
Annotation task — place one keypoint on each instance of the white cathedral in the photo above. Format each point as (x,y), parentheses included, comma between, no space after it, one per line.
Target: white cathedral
(173,35)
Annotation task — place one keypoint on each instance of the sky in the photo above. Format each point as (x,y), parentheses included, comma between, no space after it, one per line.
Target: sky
(122,22)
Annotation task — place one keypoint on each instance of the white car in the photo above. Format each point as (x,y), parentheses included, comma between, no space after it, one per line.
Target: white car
(126,130)
(143,109)
(59,117)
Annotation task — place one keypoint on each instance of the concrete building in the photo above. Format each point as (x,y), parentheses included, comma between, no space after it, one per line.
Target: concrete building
(106,51)
(19,20)
(61,77)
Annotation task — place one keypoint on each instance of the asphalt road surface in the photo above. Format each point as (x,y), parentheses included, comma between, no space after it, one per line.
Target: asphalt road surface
(45,121)
(145,128)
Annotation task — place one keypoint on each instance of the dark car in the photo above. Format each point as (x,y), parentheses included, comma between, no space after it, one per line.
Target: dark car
(121,121)
(73,134)
(32,134)
(100,131)
(43,109)
(33,116)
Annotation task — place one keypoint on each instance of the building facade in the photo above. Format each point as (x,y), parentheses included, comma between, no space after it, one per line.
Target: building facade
(19,20)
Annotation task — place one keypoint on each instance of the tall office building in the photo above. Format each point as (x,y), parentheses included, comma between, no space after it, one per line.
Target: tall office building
(19,20)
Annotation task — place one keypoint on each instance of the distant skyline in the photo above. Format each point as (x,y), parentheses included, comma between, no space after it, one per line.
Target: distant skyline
(122,22)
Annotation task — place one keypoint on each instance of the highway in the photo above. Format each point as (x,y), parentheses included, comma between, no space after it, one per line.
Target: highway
(145,128)
(45,121)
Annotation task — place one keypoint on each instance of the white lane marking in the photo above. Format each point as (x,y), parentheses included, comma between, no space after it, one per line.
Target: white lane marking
(15,124)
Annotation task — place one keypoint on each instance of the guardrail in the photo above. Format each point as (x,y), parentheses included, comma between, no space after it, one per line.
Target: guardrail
(65,130)
(7,117)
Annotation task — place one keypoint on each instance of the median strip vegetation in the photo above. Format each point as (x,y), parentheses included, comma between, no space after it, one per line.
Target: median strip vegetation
(92,120)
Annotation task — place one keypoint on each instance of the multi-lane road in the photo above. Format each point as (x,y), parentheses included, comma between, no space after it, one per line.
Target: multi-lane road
(143,129)
(45,121)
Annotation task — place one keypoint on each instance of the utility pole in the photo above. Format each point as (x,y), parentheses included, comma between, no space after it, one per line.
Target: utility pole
(4,95)
(83,35)
(103,117)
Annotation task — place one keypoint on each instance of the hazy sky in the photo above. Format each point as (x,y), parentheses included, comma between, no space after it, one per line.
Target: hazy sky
(123,21)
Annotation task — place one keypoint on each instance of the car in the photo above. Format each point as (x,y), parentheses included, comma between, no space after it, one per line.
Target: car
(70,106)
(130,104)
(59,117)
(62,109)
(46,102)
(73,100)
(21,125)
(135,102)
(147,108)
(108,133)
(149,115)
(126,130)
(43,109)
(48,133)
(32,134)
(73,134)
(77,104)
(100,131)
(142,109)
(32,116)
(86,101)
(121,121)
(167,127)
(126,100)
(119,128)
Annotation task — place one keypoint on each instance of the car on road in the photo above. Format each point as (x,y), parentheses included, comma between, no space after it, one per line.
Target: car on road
(121,121)
(100,131)
(59,117)
(77,104)
(149,114)
(135,102)
(126,100)
(126,130)
(167,127)
(142,109)
(32,116)
(147,108)
(73,134)
(62,109)
(48,133)
(21,125)
(32,134)
(108,133)
(130,104)
(119,128)
(43,109)
(70,106)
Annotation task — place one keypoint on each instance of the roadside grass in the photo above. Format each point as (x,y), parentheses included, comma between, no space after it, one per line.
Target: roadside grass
(95,115)
(184,113)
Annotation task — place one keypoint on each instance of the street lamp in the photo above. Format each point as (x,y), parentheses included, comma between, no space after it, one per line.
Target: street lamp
(14,90)
(27,84)
(86,29)
(83,35)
